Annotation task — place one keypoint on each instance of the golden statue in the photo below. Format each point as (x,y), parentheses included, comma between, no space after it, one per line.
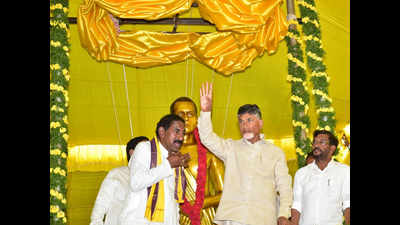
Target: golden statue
(186,108)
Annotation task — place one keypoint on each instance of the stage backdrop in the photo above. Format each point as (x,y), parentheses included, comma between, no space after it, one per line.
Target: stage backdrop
(110,103)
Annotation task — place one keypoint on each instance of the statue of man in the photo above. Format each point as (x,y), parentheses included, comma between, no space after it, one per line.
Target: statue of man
(186,108)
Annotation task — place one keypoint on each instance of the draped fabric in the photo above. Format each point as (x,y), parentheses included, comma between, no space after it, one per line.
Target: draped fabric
(245,30)
(95,158)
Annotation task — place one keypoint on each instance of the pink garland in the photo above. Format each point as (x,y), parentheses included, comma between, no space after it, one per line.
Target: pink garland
(194,211)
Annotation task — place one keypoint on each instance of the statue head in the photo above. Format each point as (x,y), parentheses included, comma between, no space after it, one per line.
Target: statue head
(185,108)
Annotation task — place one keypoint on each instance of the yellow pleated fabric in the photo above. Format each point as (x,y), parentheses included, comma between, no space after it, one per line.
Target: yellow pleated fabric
(245,30)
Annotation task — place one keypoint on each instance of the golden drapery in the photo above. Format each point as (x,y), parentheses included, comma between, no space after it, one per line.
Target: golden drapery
(95,158)
(245,29)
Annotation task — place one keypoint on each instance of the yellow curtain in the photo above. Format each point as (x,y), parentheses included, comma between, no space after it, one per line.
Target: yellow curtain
(82,190)
(95,158)
(245,30)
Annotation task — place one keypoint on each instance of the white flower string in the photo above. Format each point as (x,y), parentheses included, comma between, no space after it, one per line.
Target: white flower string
(227,105)
(187,77)
(127,100)
(212,76)
(191,89)
(113,101)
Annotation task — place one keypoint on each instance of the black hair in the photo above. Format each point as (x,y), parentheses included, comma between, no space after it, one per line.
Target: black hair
(251,109)
(167,120)
(182,99)
(132,144)
(332,138)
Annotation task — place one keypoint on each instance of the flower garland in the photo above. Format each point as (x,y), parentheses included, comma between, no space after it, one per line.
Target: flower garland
(300,97)
(59,80)
(319,77)
(194,211)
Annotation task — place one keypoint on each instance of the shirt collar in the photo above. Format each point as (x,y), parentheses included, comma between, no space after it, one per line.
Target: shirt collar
(315,166)
(261,141)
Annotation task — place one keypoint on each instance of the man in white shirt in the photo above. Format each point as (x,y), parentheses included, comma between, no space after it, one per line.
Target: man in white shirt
(113,191)
(322,188)
(154,182)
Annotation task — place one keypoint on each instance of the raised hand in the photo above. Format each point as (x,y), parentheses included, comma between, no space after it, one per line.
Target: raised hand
(206,97)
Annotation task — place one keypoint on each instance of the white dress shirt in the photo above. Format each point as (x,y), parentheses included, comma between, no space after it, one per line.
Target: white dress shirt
(322,196)
(111,195)
(141,178)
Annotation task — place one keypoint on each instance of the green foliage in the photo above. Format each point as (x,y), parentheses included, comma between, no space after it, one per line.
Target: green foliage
(298,89)
(325,119)
(59,67)
(313,48)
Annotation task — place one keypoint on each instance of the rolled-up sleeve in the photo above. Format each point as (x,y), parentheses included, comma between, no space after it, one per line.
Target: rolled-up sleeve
(141,174)
(297,190)
(284,186)
(346,190)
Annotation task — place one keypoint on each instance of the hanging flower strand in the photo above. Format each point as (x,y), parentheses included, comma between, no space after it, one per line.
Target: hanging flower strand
(59,80)
(319,77)
(300,97)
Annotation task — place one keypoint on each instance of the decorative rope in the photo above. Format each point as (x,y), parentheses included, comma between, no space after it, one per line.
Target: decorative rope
(212,76)
(187,77)
(191,90)
(114,108)
(227,105)
(127,100)
(59,83)
(187,68)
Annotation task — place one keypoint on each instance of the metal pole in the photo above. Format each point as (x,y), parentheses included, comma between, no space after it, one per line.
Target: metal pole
(291,16)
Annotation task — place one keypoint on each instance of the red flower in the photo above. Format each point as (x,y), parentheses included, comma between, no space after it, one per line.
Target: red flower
(194,211)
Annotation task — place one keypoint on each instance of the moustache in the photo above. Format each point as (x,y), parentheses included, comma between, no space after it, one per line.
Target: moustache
(178,141)
(316,149)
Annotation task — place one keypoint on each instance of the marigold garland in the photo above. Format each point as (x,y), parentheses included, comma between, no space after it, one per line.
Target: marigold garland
(319,77)
(59,77)
(194,211)
(300,97)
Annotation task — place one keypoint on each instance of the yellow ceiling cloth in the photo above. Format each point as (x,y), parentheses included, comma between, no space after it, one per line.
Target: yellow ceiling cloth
(245,30)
